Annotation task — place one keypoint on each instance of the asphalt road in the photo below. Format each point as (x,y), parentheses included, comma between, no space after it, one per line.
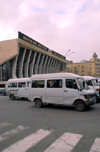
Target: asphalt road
(49,129)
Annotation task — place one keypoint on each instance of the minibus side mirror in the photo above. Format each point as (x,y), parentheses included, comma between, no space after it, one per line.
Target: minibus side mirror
(80,89)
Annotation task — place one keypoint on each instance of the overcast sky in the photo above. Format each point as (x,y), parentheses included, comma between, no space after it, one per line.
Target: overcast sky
(58,24)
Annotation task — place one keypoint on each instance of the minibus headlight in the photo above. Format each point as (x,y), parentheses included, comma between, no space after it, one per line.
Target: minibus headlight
(87,96)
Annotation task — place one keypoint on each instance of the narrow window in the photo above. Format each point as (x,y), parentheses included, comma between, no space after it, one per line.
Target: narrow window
(71,83)
(38,84)
(22,84)
(13,85)
(54,83)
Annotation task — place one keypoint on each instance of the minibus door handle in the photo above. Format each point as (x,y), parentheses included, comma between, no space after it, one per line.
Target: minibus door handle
(65,91)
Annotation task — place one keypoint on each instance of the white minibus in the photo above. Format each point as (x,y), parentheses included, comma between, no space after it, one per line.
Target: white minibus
(60,88)
(93,84)
(17,88)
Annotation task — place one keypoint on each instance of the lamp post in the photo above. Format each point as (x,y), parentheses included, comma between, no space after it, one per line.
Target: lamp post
(69,52)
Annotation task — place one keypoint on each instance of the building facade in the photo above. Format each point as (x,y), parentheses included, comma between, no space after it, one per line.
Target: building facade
(91,67)
(23,57)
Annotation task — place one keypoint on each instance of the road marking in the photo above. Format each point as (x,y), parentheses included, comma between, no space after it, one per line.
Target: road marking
(29,141)
(65,143)
(96,146)
(4,124)
(7,134)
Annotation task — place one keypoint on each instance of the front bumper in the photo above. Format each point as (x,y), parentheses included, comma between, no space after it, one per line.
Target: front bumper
(90,101)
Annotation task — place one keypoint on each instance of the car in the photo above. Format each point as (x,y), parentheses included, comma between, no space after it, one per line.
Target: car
(3,91)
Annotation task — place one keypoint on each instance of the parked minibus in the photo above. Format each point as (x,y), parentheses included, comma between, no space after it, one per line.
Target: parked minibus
(93,84)
(17,88)
(62,89)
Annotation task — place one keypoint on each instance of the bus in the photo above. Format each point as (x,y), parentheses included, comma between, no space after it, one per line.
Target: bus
(17,88)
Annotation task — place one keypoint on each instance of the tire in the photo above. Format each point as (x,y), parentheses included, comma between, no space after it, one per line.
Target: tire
(38,103)
(12,97)
(80,105)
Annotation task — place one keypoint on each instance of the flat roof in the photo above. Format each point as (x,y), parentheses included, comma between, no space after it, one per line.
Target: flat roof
(10,48)
(55,75)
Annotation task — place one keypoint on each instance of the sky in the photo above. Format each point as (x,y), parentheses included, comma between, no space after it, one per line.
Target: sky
(69,27)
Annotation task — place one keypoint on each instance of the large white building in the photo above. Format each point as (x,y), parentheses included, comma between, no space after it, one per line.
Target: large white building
(23,57)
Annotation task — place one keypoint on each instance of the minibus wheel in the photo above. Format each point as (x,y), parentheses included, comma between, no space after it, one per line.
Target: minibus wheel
(38,103)
(80,105)
(12,97)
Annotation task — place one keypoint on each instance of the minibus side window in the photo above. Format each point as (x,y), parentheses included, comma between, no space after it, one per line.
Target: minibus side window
(13,85)
(21,84)
(37,84)
(71,83)
(54,83)
(89,82)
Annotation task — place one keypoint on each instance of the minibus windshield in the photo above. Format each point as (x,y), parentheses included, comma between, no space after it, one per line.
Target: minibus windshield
(82,83)
(95,82)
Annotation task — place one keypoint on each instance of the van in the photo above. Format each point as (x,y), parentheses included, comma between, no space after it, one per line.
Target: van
(93,84)
(17,88)
(62,89)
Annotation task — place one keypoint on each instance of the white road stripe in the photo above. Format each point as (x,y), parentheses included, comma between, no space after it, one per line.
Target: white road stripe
(65,143)
(4,124)
(29,141)
(96,146)
(12,132)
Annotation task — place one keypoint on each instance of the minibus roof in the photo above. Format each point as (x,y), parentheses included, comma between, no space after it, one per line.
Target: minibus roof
(88,77)
(55,75)
(19,80)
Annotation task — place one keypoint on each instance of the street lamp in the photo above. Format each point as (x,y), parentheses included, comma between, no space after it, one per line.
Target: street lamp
(68,52)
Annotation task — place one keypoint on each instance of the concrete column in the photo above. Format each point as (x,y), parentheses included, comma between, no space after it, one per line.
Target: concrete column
(27,64)
(32,64)
(37,64)
(14,67)
(21,65)
(41,64)
(44,67)
(57,66)
(49,62)
(53,66)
